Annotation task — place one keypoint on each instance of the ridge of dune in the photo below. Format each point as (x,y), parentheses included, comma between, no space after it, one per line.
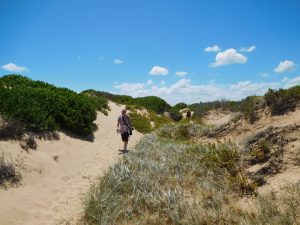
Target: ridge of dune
(58,174)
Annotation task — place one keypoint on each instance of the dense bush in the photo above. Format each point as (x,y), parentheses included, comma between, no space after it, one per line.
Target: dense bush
(152,102)
(149,102)
(282,100)
(179,106)
(175,115)
(41,106)
(121,99)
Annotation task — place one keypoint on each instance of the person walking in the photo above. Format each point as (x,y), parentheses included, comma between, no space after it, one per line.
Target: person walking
(124,127)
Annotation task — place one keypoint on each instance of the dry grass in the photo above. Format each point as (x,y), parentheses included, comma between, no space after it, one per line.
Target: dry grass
(9,175)
(166,182)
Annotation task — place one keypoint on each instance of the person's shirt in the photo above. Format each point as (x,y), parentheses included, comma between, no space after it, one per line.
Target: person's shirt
(123,127)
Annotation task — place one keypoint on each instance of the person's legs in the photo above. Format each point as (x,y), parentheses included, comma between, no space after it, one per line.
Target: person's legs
(125,137)
(125,145)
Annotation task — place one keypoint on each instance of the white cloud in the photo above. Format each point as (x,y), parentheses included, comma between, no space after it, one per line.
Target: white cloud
(285,66)
(150,82)
(130,87)
(181,73)
(214,48)
(118,61)
(184,91)
(264,75)
(158,70)
(250,49)
(229,56)
(162,82)
(14,68)
(290,82)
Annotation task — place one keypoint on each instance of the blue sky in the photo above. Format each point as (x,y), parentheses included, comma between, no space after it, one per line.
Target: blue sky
(218,49)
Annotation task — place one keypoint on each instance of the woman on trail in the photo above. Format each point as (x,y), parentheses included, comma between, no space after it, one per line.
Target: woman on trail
(124,127)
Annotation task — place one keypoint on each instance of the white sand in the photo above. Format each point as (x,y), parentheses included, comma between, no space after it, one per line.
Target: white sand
(52,191)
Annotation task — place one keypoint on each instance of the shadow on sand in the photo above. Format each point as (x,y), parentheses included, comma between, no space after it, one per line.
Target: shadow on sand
(123,152)
(89,138)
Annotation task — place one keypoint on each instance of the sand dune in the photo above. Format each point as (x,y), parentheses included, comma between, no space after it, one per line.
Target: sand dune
(52,190)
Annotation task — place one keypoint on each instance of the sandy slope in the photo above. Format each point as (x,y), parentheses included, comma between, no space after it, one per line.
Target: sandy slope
(290,172)
(52,190)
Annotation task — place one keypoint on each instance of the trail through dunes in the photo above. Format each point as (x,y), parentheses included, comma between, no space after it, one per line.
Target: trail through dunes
(58,174)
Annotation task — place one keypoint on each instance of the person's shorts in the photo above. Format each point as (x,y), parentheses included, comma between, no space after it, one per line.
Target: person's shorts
(125,136)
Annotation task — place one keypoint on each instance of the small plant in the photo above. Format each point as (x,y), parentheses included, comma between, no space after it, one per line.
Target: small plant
(11,129)
(8,174)
(283,100)
(261,153)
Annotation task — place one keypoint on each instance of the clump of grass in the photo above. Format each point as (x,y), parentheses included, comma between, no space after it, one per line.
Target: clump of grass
(9,176)
(159,120)
(279,209)
(260,154)
(140,122)
(163,182)
(182,131)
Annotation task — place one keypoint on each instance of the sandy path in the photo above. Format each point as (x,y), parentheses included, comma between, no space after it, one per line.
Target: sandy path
(52,190)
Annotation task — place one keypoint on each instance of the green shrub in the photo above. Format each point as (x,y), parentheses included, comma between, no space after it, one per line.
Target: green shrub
(149,102)
(282,100)
(140,123)
(179,106)
(41,106)
(182,131)
(154,103)
(175,115)
(247,106)
(158,120)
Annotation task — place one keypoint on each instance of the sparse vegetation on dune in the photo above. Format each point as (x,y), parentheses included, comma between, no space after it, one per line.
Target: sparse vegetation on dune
(167,182)
(41,107)
(9,175)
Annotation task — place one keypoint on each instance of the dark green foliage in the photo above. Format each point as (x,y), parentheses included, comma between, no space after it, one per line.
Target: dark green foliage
(140,123)
(121,99)
(41,106)
(175,115)
(180,106)
(175,111)
(150,102)
(282,100)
